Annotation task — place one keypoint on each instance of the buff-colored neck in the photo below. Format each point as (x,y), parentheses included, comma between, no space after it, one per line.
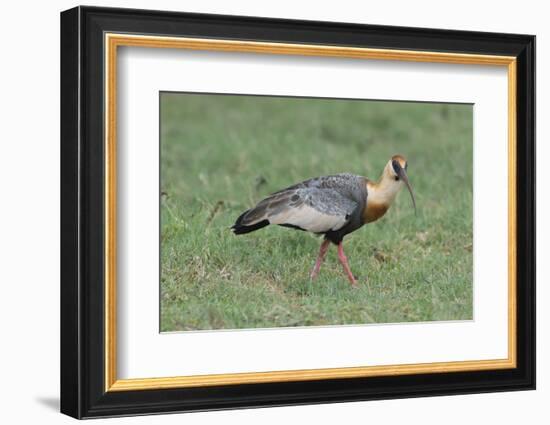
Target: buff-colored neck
(384,191)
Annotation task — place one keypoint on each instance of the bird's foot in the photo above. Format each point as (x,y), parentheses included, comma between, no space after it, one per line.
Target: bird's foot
(353,281)
(356,280)
(344,260)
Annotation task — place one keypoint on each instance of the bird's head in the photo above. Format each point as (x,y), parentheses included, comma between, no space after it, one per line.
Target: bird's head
(396,171)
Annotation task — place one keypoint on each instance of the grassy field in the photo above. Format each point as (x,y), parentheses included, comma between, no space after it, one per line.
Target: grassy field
(222,154)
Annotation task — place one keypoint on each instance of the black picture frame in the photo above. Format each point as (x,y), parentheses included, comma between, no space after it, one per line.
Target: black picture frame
(82,218)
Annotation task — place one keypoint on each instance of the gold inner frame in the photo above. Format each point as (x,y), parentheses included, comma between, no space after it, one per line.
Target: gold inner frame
(113,41)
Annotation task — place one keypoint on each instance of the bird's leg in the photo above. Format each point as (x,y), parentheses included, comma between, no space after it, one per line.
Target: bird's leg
(320,258)
(344,260)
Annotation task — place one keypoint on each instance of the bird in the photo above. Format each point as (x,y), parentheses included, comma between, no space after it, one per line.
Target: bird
(333,206)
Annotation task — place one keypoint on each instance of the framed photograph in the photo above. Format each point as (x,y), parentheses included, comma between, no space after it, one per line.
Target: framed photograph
(261,212)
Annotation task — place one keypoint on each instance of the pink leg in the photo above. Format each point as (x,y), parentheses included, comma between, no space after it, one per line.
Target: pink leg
(344,260)
(320,258)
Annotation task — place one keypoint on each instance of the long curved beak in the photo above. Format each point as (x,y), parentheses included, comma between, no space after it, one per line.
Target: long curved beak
(403,176)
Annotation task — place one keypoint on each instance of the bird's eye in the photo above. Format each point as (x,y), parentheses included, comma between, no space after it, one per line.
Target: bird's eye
(396,166)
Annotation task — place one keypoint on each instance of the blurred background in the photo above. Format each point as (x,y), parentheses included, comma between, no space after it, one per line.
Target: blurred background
(220,154)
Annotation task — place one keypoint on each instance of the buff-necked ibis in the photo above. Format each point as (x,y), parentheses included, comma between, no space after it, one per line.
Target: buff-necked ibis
(330,205)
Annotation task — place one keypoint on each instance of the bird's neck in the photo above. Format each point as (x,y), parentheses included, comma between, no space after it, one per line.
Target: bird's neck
(384,190)
(380,196)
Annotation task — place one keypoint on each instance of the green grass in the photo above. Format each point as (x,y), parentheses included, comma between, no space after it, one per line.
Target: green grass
(222,154)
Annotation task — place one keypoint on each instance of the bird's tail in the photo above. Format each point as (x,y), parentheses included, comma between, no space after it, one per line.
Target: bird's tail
(240,228)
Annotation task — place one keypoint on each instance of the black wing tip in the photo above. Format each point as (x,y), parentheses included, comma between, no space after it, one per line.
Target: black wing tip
(238,223)
(240,229)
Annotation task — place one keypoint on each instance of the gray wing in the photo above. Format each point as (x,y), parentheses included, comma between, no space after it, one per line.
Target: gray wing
(350,185)
(310,208)
(335,181)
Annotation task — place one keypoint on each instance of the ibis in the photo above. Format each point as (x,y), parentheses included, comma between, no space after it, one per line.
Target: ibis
(333,206)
